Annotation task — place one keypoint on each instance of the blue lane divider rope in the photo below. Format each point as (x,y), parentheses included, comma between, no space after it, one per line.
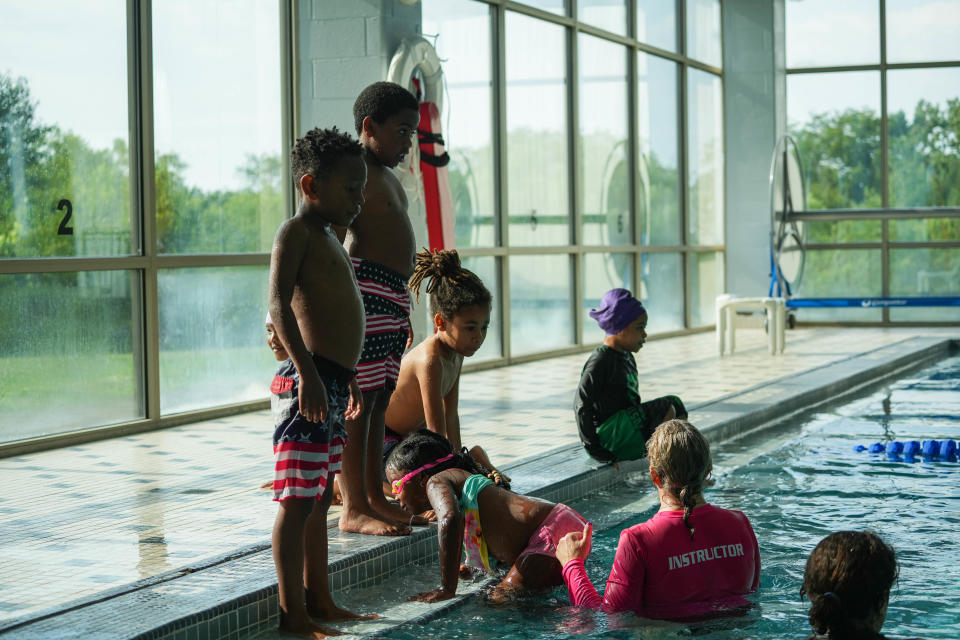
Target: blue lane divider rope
(928,449)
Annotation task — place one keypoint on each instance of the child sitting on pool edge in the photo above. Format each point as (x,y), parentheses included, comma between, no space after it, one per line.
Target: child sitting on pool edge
(428,385)
(613,423)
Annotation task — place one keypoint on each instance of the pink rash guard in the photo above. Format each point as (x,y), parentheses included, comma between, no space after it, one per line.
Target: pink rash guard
(659,572)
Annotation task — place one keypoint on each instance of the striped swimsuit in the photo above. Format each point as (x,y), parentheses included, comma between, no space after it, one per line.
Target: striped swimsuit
(386,303)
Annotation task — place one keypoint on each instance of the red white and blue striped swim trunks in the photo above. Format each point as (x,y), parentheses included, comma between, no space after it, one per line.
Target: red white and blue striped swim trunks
(386,304)
(307,454)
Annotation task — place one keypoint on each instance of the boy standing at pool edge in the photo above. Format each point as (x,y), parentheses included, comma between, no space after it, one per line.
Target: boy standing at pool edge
(381,245)
(317,313)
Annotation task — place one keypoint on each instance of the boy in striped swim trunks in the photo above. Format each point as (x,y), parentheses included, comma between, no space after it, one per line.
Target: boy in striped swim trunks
(317,315)
(381,245)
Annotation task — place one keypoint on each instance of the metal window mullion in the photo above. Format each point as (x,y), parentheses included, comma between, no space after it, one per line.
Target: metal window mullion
(884,164)
(682,160)
(289,98)
(499,97)
(575,174)
(633,148)
(148,211)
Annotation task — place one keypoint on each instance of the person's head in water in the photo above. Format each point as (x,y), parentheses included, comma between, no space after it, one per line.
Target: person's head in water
(386,117)
(680,463)
(847,580)
(623,318)
(459,301)
(416,459)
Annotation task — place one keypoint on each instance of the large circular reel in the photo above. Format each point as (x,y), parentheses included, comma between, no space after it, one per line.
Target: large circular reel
(788,235)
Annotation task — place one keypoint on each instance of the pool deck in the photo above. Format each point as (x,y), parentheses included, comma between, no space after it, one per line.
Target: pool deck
(166,534)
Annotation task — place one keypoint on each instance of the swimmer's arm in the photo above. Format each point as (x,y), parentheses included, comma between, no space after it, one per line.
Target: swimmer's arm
(430,377)
(289,251)
(452,416)
(443,499)
(624,591)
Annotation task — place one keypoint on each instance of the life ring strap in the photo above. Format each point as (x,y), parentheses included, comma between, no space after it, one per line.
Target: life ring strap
(435,161)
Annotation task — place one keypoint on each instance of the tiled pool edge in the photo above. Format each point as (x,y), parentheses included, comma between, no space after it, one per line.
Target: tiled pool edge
(237,599)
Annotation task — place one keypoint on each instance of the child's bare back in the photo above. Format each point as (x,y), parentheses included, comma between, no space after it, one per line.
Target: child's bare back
(420,371)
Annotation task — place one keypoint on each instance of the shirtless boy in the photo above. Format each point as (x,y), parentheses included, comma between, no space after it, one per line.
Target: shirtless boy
(381,245)
(318,316)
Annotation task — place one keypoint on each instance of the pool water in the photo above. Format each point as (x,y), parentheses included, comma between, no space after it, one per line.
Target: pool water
(797,484)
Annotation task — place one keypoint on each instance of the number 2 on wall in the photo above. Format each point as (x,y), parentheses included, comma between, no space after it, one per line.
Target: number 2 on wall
(64,230)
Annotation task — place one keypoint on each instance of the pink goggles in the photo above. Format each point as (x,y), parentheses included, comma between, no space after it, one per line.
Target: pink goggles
(398,484)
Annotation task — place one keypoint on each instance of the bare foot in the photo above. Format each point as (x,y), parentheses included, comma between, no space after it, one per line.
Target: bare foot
(333,613)
(372,524)
(304,628)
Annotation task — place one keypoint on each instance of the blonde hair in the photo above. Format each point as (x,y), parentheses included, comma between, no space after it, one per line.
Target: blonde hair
(680,456)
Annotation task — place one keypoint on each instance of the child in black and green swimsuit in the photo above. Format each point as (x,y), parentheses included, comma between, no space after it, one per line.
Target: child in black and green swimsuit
(613,423)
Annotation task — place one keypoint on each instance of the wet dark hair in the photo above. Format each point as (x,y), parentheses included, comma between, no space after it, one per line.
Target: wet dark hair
(380,101)
(319,151)
(425,446)
(847,579)
(680,455)
(451,287)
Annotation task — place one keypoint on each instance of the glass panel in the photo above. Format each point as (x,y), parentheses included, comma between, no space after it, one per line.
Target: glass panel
(703,31)
(705,153)
(835,119)
(706,283)
(842,231)
(540,303)
(602,272)
(486,269)
(538,196)
(464,46)
(925,230)
(840,273)
(553,6)
(606,14)
(657,23)
(70,357)
(922,30)
(925,272)
(661,290)
(604,161)
(658,141)
(923,111)
(217,117)
(822,33)
(64,154)
(213,347)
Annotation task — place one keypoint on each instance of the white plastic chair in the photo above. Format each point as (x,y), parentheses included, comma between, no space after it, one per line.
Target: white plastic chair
(775,308)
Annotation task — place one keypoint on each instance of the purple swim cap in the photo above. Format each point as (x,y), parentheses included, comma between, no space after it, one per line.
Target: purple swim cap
(617,309)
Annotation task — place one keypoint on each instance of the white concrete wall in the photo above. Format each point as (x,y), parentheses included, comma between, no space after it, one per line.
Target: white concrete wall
(754,117)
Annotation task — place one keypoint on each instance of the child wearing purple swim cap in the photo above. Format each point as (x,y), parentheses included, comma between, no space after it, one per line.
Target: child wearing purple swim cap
(613,423)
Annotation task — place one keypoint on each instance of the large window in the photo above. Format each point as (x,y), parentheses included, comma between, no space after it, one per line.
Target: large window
(875,110)
(133,265)
(590,154)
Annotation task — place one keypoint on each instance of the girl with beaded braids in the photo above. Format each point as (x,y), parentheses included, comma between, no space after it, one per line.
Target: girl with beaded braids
(428,385)
(477,519)
(690,559)
(847,580)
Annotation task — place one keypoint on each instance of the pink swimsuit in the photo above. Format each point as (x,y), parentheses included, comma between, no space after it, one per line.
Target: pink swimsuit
(659,572)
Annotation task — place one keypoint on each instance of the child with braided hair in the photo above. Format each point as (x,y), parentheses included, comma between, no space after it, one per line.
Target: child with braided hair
(428,385)
(477,518)
(690,559)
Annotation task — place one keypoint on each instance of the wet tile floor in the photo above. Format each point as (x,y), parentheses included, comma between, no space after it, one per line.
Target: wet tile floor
(83,521)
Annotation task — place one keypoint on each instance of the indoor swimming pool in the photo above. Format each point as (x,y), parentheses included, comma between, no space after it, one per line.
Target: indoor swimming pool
(796,482)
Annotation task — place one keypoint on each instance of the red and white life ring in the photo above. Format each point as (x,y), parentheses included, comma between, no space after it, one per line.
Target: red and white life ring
(416,66)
